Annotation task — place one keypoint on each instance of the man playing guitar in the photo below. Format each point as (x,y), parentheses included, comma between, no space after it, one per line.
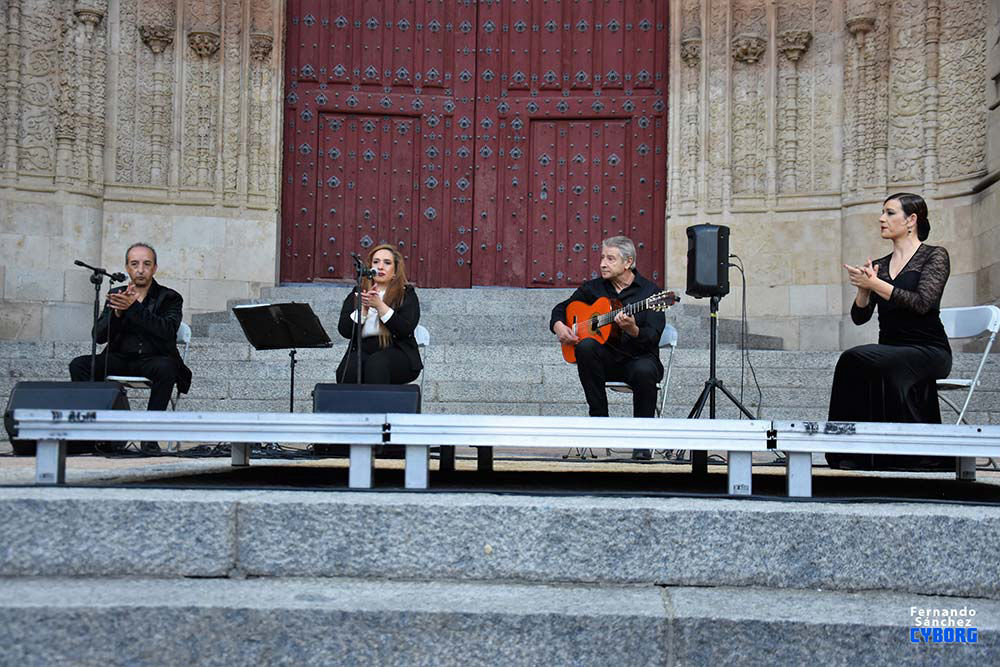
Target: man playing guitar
(632,353)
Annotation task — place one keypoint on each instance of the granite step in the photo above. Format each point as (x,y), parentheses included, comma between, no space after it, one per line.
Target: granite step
(51,621)
(484,537)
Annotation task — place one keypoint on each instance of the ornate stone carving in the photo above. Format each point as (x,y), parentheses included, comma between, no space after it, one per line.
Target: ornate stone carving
(205,44)
(691,51)
(66,118)
(157,37)
(961,140)
(260,47)
(748,48)
(89,13)
(36,82)
(232,157)
(860,25)
(793,43)
(751,153)
(260,53)
(716,100)
(4,47)
(200,125)
(932,41)
(907,89)
(125,89)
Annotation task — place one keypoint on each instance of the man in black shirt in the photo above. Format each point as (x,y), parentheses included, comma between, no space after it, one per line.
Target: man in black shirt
(140,323)
(634,356)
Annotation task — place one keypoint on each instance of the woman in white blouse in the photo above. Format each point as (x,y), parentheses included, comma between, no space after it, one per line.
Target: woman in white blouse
(390,311)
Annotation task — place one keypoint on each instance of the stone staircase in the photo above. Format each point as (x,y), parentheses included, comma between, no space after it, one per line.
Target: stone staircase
(157,576)
(490,353)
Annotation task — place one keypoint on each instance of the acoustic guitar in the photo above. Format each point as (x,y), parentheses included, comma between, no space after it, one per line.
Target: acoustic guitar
(596,320)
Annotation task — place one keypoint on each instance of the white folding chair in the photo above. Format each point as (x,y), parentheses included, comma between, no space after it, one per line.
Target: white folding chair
(667,339)
(423,337)
(140,382)
(967,322)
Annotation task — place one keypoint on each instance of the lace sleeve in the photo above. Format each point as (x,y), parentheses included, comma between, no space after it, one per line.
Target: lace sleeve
(861,315)
(933,276)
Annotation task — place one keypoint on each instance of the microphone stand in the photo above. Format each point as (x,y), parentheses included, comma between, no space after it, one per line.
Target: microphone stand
(97,279)
(361,272)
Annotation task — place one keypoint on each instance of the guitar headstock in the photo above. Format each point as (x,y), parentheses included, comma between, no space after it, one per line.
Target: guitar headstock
(662,300)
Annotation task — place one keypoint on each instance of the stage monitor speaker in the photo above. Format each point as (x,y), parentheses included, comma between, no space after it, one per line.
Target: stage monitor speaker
(366,398)
(61,396)
(361,398)
(708,261)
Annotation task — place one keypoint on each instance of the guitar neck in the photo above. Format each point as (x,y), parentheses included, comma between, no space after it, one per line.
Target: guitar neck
(630,309)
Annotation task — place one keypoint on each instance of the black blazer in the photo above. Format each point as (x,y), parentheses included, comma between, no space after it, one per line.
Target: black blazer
(156,323)
(404,320)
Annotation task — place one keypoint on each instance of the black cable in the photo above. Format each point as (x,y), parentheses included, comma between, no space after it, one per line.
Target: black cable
(745,359)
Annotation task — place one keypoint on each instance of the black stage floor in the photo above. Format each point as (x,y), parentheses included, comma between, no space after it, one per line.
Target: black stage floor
(597,479)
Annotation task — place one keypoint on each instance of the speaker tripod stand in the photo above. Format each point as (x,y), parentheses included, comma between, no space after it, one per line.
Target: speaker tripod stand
(699,460)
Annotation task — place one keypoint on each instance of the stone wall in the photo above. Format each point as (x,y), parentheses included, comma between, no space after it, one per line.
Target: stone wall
(791,121)
(126,120)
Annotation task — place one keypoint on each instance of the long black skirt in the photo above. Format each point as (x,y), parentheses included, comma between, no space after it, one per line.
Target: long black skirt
(887,383)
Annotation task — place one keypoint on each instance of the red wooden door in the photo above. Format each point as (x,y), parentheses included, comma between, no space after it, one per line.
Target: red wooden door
(571,111)
(495,144)
(379,98)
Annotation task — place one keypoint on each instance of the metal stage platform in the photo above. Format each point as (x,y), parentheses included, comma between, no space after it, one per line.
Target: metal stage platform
(418,433)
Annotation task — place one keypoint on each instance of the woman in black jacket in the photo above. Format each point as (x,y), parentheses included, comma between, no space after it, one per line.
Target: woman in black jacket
(390,312)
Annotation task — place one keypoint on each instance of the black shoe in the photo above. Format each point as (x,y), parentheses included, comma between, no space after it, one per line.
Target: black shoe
(642,454)
(150,447)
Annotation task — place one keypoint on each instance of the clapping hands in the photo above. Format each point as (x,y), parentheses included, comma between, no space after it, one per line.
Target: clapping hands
(121,301)
(863,277)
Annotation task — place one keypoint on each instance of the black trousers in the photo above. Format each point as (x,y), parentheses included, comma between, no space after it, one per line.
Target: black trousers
(598,364)
(161,372)
(378,366)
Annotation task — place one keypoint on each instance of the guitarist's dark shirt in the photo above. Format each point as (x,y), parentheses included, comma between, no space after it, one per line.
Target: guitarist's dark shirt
(650,322)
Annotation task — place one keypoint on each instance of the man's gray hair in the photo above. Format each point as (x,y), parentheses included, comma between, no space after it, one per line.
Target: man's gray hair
(141,245)
(624,245)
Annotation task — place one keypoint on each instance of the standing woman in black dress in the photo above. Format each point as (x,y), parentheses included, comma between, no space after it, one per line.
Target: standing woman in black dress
(894,380)
(390,312)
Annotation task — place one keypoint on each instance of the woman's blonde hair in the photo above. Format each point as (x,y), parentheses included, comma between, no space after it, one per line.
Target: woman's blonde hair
(394,290)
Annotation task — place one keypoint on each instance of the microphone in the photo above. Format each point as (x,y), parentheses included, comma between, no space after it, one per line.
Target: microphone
(363,271)
(113,277)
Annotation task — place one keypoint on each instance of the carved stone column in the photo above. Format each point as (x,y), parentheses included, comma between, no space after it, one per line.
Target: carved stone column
(158,38)
(66,115)
(793,44)
(931,43)
(90,14)
(691,55)
(13,96)
(260,59)
(204,44)
(859,27)
(747,117)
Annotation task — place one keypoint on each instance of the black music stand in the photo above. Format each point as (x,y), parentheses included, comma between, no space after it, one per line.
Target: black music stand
(282,326)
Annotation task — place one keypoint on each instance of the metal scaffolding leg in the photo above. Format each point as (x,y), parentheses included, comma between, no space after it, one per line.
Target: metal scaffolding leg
(362,467)
(799,474)
(417,467)
(50,462)
(740,468)
(241,453)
